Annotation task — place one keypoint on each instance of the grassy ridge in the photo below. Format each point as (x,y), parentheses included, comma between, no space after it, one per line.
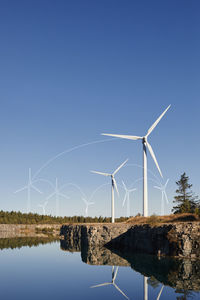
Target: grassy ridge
(173,218)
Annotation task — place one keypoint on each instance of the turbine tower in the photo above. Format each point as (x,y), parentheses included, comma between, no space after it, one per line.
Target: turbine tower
(162,188)
(43,206)
(29,186)
(87,204)
(113,187)
(146,145)
(146,289)
(127,198)
(57,194)
(114,275)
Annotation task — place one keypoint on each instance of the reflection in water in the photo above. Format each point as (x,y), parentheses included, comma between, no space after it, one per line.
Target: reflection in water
(114,275)
(180,274)
(18,242)
(146,289)
(66,246)
(183,275)
(44,267)
(160,292)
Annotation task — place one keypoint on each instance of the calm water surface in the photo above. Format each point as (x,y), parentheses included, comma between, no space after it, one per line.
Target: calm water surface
(49,271)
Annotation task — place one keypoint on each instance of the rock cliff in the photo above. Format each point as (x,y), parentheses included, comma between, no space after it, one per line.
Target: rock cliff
(177,240)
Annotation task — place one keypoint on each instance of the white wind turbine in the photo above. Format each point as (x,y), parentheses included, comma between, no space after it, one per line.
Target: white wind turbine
(114,275)
(29,186)
(127,198)
(146,289)
(87,204)
(57,194)
(145,146)
(113,187)
(43,206)
(162,188)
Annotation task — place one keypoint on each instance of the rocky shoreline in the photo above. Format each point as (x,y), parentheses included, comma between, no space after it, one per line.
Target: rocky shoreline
(32,230)
(176,240)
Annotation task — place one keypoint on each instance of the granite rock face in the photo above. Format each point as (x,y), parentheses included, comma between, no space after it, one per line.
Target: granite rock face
(102,256)
(71,235)
(178,240)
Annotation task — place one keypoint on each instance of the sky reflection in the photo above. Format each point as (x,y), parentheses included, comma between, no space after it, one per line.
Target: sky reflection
(46,272)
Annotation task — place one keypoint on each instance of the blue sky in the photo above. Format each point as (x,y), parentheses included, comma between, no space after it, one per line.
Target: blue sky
(73,69)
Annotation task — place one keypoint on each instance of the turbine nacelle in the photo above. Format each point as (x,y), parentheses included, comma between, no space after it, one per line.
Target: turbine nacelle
(144,140)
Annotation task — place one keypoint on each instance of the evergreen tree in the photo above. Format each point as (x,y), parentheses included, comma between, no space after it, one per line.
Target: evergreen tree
(185,200)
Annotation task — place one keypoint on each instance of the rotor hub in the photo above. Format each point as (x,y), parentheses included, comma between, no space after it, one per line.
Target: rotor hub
(144,140)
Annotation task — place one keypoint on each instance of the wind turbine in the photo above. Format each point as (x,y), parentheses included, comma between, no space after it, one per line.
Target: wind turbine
(127,198)
(29,186)
(146,146)
(114,275)
(43,206)
(87,204)
(146,289)
(162,188)
(113,187)
(57,194)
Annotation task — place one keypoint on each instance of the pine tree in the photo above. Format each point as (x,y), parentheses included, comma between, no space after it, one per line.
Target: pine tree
(185,200)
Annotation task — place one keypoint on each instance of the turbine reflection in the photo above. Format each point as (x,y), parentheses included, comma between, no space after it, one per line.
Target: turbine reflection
(114,275)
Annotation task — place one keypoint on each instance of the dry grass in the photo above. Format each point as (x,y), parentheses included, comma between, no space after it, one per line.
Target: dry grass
(178,218)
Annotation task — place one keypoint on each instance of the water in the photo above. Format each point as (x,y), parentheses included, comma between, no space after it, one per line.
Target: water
(49,271)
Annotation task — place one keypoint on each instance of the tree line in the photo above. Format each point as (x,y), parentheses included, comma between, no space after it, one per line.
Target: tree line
(33,218)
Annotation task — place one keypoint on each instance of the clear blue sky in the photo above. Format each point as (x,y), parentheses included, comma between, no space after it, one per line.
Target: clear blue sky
(70,70)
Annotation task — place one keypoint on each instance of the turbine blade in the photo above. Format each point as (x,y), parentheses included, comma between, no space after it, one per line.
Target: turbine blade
(157,187)
(124,186)
(125,197)
(85,201)
(29,174)
(120,167)
(154,158)
(51,195)
(132,190)
(115,185)
(120,291)
(157,121)
(113,271)
(115,274)
(63,195)
(22,189)
(128,137)
(166,182)
(33,187)
(166,197)
(160,293)
(101,173)
(102,284)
